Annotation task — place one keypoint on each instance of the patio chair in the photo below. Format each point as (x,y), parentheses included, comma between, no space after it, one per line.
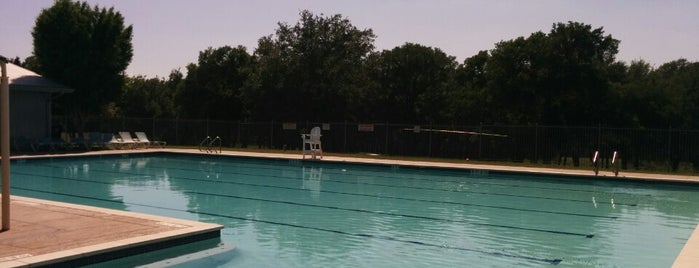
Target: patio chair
(111,141)
(142,137)
(127,140)
(313,141)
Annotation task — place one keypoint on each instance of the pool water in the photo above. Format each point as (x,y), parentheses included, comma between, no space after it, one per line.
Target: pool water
(291,213)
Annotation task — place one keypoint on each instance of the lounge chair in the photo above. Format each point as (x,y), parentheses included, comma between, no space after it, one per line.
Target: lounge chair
(111,141)
(126,140)
(99,140)
(313,141)
(142,137)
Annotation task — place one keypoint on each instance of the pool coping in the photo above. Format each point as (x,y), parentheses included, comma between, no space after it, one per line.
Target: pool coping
(688,257)
(143,232)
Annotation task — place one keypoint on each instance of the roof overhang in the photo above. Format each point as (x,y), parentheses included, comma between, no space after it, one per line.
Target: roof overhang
(25,80)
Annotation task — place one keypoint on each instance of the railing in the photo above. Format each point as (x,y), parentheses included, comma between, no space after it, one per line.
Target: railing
(207,145)
(638,149)
(595,163)
(204,144)
(214,142)
(615,166)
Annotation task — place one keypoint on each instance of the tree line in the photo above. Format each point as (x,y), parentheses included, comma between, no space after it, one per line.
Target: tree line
(324,69)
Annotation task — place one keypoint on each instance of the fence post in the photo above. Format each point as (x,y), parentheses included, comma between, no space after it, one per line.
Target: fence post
(480,141)
(271,135)
(536,143)
(599,136)
(429,142)
(386,144)
(344,143)
(669,148)
(239,139)
(177,130)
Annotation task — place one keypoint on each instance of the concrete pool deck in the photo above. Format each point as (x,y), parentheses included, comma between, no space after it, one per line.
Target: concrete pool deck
(46,233)
(151,228)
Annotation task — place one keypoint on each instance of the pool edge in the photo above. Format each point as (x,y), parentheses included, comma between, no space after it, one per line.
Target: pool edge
(186,231)
(689,255)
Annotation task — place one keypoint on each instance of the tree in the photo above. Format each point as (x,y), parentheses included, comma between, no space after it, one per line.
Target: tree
(555,78)
(633,89)
(579,61)
(516,72)
(318,61)
(469,103)
(214,86)
(414,83)
(147,97)
(678,82)
(84,48)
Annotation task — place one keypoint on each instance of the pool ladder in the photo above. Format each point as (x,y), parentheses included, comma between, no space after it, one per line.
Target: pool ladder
(596,163)
(208,145)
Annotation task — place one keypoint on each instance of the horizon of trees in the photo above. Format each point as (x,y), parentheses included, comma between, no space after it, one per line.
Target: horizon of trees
(324,69)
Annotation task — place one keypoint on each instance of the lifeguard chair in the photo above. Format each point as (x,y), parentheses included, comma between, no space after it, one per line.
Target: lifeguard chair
(311,143)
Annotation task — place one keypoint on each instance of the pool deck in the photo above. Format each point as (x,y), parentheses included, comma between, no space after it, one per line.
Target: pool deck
(45,232)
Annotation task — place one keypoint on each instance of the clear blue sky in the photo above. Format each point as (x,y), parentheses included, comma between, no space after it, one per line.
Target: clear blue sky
(168,34)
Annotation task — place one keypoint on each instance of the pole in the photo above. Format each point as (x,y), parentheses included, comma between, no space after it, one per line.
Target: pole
(5,143)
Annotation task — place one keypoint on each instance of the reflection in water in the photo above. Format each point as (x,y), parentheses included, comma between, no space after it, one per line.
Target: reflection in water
(210,169)
(311,180)
(155,189)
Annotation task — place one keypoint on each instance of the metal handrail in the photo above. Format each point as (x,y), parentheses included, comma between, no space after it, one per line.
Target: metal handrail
(207,145)
(595,163)
(615,167)
(207,141)
(210,149)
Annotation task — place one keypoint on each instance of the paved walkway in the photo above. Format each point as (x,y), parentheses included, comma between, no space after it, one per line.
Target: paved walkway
(45,232)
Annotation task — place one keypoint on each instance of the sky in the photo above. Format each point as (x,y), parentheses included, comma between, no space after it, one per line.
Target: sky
(169,34)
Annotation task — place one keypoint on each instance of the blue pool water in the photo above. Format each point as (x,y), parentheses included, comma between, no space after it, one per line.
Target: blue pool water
(289,213)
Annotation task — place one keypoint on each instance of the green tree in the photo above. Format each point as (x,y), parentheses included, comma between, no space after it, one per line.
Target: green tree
(579,60)
(311,70)
(146,97)
(264,97)
(516,72)
(468,102)
(85,48)
(557,78)
(213,87)
(631,91)
(414,83)
(678,83)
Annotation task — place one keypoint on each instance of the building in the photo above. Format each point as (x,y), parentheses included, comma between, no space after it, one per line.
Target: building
(30,104)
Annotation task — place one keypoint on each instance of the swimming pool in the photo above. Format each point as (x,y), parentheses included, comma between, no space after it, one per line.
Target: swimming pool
(289,213)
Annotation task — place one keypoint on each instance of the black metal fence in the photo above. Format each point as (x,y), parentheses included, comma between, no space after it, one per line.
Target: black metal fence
(640,149)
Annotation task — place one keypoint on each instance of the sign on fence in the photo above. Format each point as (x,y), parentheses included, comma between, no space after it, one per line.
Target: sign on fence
(365,127)
(289,126)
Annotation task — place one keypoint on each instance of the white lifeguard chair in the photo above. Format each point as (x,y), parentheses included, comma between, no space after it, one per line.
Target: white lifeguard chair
(311,143)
